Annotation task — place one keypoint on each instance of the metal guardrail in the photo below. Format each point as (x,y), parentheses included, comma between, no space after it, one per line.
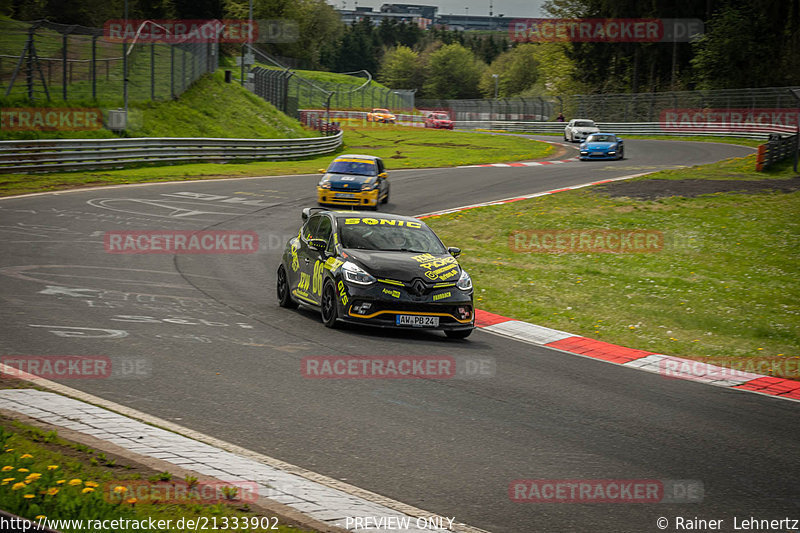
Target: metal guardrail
(752,131)
(76,154)
(777,149)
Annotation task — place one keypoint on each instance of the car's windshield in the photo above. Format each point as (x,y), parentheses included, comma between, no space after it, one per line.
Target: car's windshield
(358,167)
(363,236)
(584,124)
(601,139)
(440,116)
(380,111)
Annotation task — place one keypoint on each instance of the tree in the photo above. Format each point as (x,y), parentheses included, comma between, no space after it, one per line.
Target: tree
(453,72)
(401,69)
(516,70)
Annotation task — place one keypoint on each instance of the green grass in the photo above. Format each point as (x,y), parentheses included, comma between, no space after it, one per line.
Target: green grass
(401,147)
(723,287)
(77,482)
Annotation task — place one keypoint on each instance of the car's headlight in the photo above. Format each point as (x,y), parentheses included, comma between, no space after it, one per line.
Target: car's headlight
(324,183)
(464,282)
(369,185)
(355,274)
(612,147)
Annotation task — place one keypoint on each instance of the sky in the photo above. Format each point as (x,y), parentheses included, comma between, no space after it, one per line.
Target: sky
(509,8)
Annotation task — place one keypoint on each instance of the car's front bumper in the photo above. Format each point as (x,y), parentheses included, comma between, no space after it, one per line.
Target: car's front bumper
(601,157)
(360,198)
(385,301)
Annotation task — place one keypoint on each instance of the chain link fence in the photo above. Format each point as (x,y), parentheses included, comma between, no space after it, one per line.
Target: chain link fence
(290,92)
(654,107)
(523,109)
(46,61)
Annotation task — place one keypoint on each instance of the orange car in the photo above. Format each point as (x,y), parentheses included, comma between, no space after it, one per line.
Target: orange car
(381,115)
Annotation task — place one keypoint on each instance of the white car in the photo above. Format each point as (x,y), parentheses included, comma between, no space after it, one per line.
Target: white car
(578,129)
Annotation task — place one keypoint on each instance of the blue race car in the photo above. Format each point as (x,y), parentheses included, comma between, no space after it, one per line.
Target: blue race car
(602,146)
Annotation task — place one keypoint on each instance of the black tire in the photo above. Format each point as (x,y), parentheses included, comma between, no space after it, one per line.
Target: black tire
(329,310)
(284,295)
(458,333)
(386,200)
(622,154)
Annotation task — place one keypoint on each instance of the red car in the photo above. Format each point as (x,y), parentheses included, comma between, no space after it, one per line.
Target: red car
(438,120)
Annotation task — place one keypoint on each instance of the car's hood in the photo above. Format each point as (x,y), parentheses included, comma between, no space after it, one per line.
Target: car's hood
(405,266)
(586,129)
(353,181)
(599,145)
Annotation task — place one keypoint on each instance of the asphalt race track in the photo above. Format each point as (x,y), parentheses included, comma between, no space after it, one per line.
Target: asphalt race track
(206,345)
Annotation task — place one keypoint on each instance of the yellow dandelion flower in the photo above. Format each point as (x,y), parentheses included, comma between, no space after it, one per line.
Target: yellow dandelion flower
(52,491)
(22,470)
(92,484)
(33,475)
(28,496)
(119,489)
(7,468)
(17,486)
(87,489)
(10,449)
(39,517)
(26,456)
(75,482)
(52,467)
(131,501)
(61,481)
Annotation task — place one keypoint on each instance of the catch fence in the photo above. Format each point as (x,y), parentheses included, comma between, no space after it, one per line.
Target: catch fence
(47,61)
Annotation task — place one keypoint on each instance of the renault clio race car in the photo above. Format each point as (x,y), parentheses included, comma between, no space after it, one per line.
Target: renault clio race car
(379,270)
(356,180)
(439,121)
(602,146)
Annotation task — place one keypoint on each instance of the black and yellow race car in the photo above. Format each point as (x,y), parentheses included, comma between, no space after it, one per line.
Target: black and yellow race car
(375,269)
(354,180)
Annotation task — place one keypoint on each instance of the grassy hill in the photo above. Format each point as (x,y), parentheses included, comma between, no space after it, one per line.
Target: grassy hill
(209,108)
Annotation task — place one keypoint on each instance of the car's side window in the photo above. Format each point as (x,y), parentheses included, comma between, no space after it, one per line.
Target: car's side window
(310,228)
(380,166)
(323,231)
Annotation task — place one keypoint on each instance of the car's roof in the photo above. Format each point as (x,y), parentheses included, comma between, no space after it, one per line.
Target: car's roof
(356,156)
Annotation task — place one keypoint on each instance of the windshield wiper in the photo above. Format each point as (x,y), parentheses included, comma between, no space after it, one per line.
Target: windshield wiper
(404,250)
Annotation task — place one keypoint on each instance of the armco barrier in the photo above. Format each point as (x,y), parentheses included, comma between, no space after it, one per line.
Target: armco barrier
(75,154)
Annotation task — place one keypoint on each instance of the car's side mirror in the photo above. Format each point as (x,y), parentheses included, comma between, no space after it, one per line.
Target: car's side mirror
(619,140)
(383,175)
(455,252)
(321,170)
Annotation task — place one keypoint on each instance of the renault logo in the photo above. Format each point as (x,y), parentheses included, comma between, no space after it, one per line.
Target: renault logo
(418,287)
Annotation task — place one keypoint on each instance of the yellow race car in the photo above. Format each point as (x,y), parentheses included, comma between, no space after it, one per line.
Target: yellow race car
(381,115)
(356,180)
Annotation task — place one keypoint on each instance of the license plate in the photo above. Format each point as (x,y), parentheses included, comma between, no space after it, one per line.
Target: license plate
(345,195)
(597,153)
(417,321)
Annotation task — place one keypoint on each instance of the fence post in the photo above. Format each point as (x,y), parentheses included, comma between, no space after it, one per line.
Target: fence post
(94,67)
(152,71)
(172,71)
(64,66)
